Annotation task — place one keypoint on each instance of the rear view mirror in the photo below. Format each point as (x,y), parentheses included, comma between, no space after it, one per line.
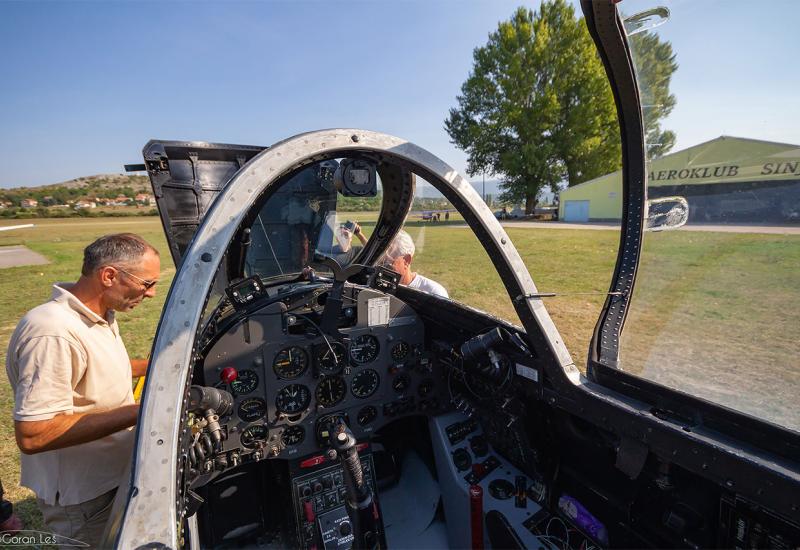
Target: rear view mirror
(666,213)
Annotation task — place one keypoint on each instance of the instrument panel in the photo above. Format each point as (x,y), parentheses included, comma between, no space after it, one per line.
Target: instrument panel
(290,386)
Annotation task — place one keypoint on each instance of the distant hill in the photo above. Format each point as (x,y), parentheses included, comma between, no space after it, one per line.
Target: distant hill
(87,187)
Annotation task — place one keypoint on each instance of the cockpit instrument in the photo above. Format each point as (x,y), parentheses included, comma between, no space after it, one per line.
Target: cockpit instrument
(246,381)
(290,362)
(401,382)
(400,350)
(245,292)
(252,409)
(330,359)
(364,348)
(330,391)
(365,383)
(293,435)
(366,415)
(293,399)
(253,435)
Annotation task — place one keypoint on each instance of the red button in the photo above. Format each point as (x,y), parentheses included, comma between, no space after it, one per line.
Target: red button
(309,511)
(228,375)
(478,469)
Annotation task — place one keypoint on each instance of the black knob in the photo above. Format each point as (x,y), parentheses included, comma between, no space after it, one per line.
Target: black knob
(306,491)
(317,487)
(345,528)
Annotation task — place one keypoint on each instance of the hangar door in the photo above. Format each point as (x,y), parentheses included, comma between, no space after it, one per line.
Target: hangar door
(576,211)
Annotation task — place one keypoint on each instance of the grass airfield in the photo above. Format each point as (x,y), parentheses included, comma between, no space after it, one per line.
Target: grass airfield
(714,313)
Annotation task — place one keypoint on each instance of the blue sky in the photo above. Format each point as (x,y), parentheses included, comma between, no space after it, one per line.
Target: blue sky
(86,84)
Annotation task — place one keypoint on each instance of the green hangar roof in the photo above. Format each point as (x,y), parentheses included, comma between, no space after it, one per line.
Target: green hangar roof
(728,162)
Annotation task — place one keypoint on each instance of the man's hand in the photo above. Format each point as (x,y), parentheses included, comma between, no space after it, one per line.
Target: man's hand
(66,430)
(360,234)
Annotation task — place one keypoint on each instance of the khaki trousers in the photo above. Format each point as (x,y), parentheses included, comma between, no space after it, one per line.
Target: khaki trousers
(84,522)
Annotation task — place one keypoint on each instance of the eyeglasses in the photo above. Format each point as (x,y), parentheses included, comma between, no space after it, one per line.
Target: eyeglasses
(146,283)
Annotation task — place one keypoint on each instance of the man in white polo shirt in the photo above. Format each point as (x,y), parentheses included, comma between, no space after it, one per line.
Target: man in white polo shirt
(74,410)
(398,257)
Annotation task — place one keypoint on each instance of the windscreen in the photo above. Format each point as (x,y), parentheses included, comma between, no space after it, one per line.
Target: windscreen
(306,215)
(716,307)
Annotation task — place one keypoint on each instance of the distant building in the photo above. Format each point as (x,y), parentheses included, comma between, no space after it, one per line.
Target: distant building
(85,204)
(725,180)
(29,203)
(145,198)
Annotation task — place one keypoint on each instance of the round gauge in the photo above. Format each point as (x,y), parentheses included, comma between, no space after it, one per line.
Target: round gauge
(330,391)
(364,348)
(425,387)
(365,383)
(331,359)
(401,382)
(252,435)
(367,415)
(252,409)
(400,350)
(290,362)
(293,435)
(246,381)
(293,399)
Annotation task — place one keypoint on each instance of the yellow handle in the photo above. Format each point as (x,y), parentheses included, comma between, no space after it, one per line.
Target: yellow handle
(137,391)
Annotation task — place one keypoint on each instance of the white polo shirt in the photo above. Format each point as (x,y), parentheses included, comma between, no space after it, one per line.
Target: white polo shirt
(63,359)
(428,285)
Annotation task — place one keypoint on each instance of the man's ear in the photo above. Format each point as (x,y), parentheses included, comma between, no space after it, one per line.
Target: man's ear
(106,275)
(407,259)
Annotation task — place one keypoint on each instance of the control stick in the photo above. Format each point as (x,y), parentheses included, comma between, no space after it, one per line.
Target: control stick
(360,503)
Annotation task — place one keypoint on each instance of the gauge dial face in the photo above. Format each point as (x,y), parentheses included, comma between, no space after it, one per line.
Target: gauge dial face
(367,415)
(330,391)
(400,350)
(252,435)
(425,387)
(252,409)
(293,435)
(246,381)
(293,399)
(331,359)
(364,348)
(290,362)
(365,383)
(401,382)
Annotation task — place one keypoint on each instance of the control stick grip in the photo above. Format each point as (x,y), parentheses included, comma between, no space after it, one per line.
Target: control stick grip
(360,504)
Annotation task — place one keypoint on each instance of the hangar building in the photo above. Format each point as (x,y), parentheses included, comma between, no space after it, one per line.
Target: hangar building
(725,180)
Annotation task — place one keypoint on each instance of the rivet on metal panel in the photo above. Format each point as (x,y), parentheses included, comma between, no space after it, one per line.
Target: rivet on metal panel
(354,138)
(503,240)
(186,323)
(206,257)
(164,461)
(153,433)
(160,442)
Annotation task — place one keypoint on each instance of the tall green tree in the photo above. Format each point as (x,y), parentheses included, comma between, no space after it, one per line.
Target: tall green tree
(655,63)
(537,108)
